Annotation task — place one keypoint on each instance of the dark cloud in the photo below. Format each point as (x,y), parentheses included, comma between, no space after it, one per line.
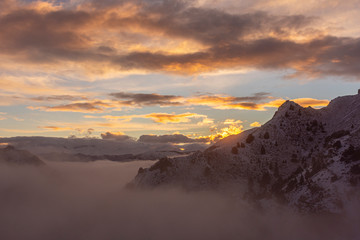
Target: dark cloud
(174,138)
(247,105)
(256,97)
(58,98)
(340,56)
(106,49)
(264,53)
(75,107)
(96,106)
(215,27)
(257,40)
(326,56)
(35,32)
(103,4)
(145,99)
(115,136)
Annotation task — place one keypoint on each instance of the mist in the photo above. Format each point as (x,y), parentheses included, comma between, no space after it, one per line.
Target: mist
(65,200)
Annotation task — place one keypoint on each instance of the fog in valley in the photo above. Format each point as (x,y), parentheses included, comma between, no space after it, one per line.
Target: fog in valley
(63,200)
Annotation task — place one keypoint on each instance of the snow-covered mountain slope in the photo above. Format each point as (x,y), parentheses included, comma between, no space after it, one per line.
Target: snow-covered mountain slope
(12,156)
(306,158)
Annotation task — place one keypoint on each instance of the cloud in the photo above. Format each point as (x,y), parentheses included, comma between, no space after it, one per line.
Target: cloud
(311,102)
(58,98)
(53,31)
(144,99)
(55,128)
(222,130)
(212,26)
(83,107)
(230,102)
(2,117)
(136,36)
(173,118)
(232,122)
(118,136)
(255,124)
(174,138)
(304,102)
(310,59)
(221,102)
(5,116)
(87,201)
(258,102)
(159,118)
(31,83)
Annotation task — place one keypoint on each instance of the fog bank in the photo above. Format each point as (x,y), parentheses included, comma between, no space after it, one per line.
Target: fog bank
(65,200)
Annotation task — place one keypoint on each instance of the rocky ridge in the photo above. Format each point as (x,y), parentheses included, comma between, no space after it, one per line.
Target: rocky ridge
(308,159)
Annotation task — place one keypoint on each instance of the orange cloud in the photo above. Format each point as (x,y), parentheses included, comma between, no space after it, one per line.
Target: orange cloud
(255,124)
(56,129)
(311,102)
(231,127)
(232,121)
(230,102)
(258,101)
(173,118)
(304,102)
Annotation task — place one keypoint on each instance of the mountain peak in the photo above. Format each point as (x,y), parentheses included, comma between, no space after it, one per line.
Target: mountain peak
(289,104)
(307,158)
(288,108)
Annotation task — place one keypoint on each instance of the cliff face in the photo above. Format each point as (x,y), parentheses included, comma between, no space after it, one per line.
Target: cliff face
(306,158)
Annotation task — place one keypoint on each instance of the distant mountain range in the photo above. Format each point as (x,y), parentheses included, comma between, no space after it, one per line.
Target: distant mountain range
(91,149)
(12,156)
(307,158)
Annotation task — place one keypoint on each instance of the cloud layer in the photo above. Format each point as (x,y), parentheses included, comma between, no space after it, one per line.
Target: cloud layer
(171,36)
(175,138)
(258,101)
(87,201)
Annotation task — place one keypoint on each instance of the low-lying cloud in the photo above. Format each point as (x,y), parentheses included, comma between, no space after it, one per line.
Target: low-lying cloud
(174,138)
(118,136)
(88,201)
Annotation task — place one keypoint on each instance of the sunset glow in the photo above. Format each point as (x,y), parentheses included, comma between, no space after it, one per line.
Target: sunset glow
(142,67)
(179,119)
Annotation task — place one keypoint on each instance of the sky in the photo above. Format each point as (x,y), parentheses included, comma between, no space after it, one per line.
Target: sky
(203,68)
